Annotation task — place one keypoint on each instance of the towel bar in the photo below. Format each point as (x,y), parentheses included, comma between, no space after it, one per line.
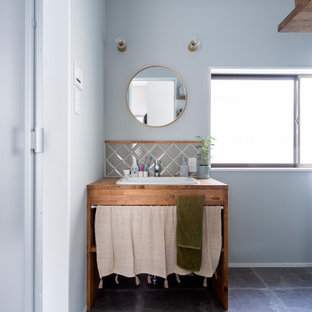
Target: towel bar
(94,207)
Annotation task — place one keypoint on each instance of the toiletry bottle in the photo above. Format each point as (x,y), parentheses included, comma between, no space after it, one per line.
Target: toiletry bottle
(183,168)
(134,167)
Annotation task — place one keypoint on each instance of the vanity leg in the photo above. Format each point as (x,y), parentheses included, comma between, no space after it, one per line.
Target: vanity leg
(93,279)
(220,283)
(220,278)
(92,273)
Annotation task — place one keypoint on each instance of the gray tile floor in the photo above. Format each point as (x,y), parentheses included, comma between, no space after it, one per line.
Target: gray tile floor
(250,289)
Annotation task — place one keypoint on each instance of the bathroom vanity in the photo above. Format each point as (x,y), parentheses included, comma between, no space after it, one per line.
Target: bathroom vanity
(106,192)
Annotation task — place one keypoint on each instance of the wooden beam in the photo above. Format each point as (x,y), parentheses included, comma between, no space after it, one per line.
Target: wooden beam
(299,19)
(146,141)
(298,2)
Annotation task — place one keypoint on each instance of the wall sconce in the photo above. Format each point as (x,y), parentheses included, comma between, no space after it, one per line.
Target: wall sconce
(194,44)
(121,44)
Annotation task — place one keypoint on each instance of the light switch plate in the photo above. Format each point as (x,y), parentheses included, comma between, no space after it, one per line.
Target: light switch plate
(192,164)
(77,101)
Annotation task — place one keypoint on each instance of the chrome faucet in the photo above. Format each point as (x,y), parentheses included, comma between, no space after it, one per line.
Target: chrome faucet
(157,168)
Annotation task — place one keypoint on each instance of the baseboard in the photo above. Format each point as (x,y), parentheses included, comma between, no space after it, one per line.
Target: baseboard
(271,265)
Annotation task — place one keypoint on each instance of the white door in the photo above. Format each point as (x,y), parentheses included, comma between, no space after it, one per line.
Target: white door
(16,159)
(160,102)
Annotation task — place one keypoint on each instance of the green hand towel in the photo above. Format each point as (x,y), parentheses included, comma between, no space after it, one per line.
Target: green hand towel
(189,232)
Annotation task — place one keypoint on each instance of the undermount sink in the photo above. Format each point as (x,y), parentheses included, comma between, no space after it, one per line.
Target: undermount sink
(157,180)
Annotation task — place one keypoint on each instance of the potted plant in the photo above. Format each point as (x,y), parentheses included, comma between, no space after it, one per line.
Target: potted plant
(204,150)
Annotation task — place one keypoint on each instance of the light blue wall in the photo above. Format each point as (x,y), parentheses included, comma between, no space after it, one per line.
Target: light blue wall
(270,211)
(233,33)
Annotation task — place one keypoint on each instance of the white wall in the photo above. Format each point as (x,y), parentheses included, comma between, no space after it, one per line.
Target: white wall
(240,33)
(72,30)
(86,133)
(56,183)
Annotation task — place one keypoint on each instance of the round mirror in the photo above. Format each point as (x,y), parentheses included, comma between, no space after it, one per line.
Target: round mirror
(156,96)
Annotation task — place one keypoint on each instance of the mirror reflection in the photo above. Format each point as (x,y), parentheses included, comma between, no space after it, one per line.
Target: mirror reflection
(156,96)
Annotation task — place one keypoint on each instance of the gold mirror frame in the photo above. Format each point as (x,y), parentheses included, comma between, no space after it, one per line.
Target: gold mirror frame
(182,81)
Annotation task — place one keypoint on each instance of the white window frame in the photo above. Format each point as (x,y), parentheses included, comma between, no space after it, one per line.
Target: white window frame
(296,74)
(298,100)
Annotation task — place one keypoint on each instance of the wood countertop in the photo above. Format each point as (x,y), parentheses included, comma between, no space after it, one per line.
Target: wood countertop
(110,183)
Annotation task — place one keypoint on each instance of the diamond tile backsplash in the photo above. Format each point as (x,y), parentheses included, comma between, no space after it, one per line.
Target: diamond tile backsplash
(119,156)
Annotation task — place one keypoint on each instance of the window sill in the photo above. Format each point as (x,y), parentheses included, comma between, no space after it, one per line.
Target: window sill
(262,169)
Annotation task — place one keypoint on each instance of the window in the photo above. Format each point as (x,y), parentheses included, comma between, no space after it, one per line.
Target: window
(305,100)
(255,120)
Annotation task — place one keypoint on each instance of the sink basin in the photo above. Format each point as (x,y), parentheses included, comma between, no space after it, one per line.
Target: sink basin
(157,180)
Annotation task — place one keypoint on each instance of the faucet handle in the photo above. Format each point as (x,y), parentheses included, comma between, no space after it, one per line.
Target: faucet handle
(157,167)
(157,162)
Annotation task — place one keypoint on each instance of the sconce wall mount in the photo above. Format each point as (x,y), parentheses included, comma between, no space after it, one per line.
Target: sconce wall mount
(121,44)
(194,44)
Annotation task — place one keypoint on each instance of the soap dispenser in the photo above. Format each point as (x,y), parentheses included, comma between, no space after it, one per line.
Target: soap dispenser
(134,167)
(184,168)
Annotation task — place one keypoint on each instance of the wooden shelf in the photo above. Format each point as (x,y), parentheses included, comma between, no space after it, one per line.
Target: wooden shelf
(181,97)
(299,20)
